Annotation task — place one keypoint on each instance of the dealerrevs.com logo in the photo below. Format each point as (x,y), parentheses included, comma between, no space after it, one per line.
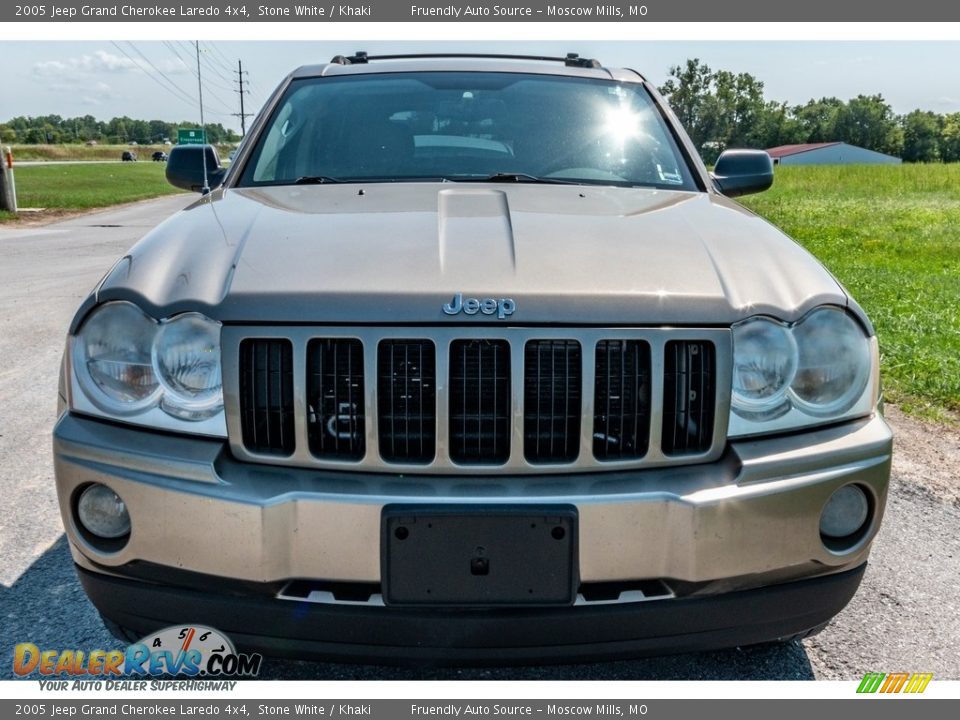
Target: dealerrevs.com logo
(180,650)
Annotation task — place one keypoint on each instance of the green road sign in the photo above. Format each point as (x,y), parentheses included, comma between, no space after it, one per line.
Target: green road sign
(190,137)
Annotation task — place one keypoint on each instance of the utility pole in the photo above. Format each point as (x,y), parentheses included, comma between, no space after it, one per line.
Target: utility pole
(242,115)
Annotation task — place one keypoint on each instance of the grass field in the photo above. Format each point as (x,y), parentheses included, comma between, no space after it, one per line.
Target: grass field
(890,235)
(80,187)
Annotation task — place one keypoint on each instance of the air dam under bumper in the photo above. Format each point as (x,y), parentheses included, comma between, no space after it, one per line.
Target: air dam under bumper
(485,637)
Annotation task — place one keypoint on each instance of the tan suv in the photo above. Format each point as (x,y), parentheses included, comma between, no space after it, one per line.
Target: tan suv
(470,359)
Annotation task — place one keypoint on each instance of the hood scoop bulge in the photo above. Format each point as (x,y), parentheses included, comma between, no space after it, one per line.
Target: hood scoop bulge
(474,231)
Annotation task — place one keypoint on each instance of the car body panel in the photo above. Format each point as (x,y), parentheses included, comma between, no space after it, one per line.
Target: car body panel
(228,531)
(731,522)
(565,254)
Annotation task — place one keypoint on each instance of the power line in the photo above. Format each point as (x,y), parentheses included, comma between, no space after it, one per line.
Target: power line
(223,104)
(192,71)
(229,81)
(218,57)
(172,87)
(213,68)
(172,49)
(225,59)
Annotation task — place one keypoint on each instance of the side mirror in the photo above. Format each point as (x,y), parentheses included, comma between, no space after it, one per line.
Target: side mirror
(185,167)
(741,172)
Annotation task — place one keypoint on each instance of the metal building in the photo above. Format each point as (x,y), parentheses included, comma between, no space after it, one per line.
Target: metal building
(832,153)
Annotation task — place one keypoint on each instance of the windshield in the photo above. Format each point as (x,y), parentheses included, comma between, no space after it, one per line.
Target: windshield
(466,126)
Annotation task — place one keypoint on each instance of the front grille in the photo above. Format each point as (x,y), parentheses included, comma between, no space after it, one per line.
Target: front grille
(335,406)
(551,406)
(480,402)
(266,396)
(407,400)
(483,400)
(688,397)
(621,415)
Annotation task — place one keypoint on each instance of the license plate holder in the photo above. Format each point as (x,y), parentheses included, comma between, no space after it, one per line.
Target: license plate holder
(478,556)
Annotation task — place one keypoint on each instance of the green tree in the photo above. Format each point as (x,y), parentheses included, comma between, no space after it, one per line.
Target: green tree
(921,136)
(686,90)
(950,138)
(776,126)
(817,120)
(719,109)
(868,121)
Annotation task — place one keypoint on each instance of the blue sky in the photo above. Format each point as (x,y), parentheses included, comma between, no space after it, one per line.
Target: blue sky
(137,78)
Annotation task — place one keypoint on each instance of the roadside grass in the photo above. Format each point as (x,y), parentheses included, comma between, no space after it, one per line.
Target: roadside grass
(24,153)
(889,234)
(82,187)
(80,151)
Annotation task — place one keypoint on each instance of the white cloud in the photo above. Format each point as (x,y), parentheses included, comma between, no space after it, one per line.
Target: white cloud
(99,93)
(102,61)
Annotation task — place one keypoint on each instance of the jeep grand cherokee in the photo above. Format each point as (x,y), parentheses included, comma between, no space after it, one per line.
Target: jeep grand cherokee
(470,359)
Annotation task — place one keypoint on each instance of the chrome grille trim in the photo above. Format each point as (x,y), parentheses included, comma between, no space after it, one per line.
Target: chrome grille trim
(442,337)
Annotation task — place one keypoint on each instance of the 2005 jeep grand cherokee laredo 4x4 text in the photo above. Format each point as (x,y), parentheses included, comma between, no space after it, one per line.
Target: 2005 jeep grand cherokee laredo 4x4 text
(469,359)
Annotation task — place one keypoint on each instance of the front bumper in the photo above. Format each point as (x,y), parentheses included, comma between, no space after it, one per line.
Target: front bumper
(746,521)
(489,637)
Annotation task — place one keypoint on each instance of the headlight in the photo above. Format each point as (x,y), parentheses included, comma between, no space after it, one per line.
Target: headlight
(788,376)
(834,363)
(129,365)
(187,357)
(764,365)
(112,358)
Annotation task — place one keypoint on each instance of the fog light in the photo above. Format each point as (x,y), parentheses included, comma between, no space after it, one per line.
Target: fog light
(845,512)
(103,513)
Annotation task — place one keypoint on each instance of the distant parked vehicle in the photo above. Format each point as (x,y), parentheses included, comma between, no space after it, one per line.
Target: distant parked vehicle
(159,156)
(129,156)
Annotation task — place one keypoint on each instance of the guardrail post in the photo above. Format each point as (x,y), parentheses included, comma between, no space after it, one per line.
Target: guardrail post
(8,190)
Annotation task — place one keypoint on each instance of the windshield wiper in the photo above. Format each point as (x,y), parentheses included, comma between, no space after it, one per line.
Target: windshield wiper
(517,177)
(316,180)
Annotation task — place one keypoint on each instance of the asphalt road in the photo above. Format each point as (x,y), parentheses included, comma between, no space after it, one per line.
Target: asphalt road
(906,616)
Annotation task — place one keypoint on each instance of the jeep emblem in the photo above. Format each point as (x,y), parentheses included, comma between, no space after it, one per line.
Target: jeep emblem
(504,307)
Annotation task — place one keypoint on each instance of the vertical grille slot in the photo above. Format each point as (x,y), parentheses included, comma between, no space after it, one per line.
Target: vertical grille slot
(621,417)
(689,390)
(480,402)
(266,396)
(335,406)
(407,400)
(552,380)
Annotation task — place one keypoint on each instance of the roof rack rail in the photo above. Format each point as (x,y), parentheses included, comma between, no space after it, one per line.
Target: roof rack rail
(362,58)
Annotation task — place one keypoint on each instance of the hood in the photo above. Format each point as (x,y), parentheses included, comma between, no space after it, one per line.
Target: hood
(397,253)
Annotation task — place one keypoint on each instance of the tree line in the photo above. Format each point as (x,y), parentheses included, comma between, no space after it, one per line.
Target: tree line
(55,130)
(720,110)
